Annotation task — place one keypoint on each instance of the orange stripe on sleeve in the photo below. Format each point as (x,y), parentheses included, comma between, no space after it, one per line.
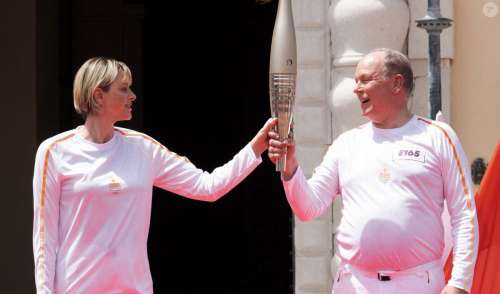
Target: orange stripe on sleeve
(462,181)
(456,157)
(41,225)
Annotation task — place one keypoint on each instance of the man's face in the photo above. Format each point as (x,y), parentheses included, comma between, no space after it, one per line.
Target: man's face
(374,90)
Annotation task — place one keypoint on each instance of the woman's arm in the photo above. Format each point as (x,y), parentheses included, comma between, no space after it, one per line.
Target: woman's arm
(46,193)
(178,175)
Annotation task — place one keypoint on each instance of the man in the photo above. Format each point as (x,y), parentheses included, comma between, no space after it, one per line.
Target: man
(393,175)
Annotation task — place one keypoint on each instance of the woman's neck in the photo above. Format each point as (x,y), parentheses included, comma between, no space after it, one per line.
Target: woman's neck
(97,130)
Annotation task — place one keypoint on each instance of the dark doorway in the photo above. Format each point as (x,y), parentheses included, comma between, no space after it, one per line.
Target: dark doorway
(206,88)
(201,76)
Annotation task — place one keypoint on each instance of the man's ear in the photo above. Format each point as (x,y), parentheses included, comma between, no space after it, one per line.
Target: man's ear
(397,83)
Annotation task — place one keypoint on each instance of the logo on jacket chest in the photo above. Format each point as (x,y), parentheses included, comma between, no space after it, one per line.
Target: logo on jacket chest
(114,185)
(409,153)
(384,175)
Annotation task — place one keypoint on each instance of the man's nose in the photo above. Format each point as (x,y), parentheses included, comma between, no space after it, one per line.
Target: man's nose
(357,88)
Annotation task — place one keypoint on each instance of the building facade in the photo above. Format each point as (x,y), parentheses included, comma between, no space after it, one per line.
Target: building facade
(332,36)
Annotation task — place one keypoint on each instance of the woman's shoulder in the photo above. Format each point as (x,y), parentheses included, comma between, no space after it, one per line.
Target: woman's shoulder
(136,136)
(58,138)
(129,133)
(52,143)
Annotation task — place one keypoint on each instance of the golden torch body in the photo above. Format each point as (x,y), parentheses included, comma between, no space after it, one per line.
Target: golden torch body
(283,72)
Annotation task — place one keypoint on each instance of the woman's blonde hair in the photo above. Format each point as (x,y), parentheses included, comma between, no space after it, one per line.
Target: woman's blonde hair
(97,72)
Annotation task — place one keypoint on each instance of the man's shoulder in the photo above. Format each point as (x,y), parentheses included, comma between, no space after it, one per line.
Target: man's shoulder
(437,128)
(357,130)
(352,134)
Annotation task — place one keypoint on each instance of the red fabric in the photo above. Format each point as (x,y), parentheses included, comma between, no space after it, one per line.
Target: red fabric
(487,271)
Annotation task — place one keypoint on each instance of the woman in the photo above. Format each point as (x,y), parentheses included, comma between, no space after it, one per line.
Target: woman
(93,185)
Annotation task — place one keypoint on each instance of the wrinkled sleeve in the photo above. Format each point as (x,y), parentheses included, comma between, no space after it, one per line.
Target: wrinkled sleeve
(46,193)
(178,175)
(309,198)
(460,201)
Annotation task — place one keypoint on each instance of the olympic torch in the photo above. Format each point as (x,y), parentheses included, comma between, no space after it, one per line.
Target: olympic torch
(283,72)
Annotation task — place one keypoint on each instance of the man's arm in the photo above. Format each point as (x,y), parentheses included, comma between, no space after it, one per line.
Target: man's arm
(453,290)
(307,198)
(458,192)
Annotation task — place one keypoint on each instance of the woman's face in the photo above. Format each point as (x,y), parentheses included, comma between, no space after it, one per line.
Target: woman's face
(116,100)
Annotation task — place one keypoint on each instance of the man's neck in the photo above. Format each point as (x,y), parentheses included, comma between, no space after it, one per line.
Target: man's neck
(396,121)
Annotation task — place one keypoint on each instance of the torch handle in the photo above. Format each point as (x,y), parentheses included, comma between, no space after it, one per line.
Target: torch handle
(282,94)
(281,163)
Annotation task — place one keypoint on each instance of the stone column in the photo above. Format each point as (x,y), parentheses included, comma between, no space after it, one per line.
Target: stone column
(312,240)
(358,27)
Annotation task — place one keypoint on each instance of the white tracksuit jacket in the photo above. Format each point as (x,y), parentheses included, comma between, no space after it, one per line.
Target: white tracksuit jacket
(92,207)
(393,183)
